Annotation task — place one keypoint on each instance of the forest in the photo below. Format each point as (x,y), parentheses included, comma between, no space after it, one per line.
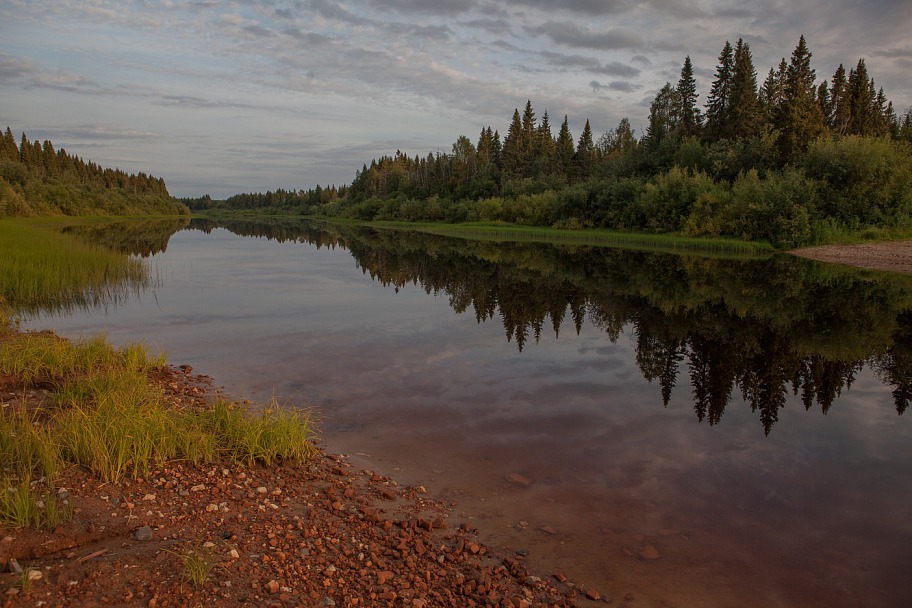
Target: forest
(37,179)
(788,161)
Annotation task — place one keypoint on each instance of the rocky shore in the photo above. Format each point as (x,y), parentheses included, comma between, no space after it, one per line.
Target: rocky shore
(319,533)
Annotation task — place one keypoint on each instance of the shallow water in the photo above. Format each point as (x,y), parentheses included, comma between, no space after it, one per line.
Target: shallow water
(747,497)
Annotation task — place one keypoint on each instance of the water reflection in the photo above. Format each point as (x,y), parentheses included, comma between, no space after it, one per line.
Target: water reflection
(764,328)
(142,238)
(814,513)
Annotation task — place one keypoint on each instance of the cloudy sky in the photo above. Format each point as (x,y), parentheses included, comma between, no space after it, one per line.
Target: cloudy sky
(239,96)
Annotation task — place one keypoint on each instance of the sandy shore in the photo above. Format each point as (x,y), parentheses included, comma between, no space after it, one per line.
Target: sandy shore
(894,256)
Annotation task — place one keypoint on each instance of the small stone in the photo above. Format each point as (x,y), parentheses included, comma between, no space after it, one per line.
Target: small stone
(650,552)
(559,577)
(548,530)
(327,601)
(273,587)
(518,479)
(593,595)
(143,534)
(262,490)
(234,554)
(149,497)
(34,574)
(211,507)
(384,576)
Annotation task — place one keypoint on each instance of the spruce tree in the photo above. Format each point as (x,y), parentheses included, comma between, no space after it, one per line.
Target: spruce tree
(744,111)
(585,150)
(719,100)
(565,149)
(512,156)
(861,101)
(800,120)
(691,118)
(840,114)
(8,149)
(546,150)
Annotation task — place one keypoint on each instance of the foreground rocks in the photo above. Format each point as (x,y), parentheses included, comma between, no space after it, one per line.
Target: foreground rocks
(321,533)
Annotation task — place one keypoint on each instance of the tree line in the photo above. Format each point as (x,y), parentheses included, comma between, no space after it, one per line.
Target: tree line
(37,179)
(789,161)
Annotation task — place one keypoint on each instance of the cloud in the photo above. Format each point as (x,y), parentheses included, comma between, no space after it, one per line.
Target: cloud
(14,67)
(95,132)
(432,7)
(590,64)
(586,7)
(616,85)
(894,53)
(331,10)
(569,34)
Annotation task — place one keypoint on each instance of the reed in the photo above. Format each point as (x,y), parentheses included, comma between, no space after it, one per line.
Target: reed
(44,269)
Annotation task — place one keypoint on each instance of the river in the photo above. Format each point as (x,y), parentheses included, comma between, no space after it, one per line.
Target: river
(668,430)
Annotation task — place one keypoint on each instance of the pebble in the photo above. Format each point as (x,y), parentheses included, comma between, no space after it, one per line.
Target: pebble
(143,534)
(519,479)
(650,552)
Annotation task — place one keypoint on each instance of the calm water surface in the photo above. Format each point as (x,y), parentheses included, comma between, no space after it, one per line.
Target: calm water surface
(739,419)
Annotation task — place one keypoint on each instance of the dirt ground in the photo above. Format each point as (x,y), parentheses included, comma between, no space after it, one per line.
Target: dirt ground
(322,533)
(894,256)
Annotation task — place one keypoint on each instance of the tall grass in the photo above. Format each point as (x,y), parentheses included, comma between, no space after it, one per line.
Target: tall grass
(43,269)
(104,413)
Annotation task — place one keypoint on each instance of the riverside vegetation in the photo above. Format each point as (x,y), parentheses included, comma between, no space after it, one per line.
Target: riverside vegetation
(793,161)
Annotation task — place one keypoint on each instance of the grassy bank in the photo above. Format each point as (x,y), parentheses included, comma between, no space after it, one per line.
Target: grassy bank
(103,408)
(92,405)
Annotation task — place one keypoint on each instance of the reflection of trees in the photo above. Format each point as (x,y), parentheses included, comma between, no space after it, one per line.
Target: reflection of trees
(137,237)
(762,327)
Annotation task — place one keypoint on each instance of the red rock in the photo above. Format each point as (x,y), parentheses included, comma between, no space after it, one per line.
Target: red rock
(272,587)
(518,479)
(384,576)
(593,595)
(650,552)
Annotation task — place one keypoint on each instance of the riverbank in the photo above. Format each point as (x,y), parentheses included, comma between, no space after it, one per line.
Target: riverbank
(890,256)
(316,533)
